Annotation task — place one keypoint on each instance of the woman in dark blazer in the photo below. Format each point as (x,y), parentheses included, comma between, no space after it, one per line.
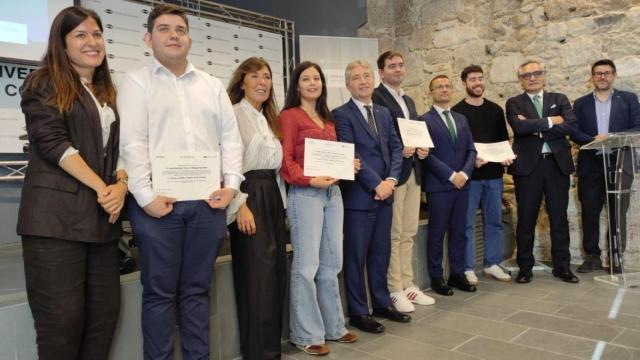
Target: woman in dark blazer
(72,193)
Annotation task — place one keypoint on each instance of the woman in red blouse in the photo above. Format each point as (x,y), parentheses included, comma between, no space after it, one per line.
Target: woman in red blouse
(315,217)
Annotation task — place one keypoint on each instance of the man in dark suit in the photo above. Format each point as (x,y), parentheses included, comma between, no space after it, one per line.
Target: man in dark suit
(598,113)
(368,200)
(448,168)
(541,121)
(406,197)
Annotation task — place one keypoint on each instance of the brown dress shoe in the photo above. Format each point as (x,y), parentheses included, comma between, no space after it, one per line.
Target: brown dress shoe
(315,349)
(348,338)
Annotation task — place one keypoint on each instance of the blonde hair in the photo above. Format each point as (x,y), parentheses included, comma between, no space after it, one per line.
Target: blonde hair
(354,64)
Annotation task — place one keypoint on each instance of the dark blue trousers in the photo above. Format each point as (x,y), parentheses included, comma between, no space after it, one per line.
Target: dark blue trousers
(447,215)
(177,257)
(367,241)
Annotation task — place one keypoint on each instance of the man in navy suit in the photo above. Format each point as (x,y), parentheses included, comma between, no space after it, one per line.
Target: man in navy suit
(406,197)
(448,167)
(368,200)
(541,121)
(598,113)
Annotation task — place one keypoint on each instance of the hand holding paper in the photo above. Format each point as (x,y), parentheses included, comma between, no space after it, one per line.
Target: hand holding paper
(495,152)
(329,159)
(414,133)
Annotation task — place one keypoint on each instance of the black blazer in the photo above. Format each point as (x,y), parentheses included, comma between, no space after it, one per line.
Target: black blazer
(383,97)
(527,143)
(624,116)
(54,204)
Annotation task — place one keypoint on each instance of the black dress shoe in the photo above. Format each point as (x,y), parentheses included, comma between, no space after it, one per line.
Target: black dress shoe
(524,276)
(566,276)
(366,323)
(591,263)
(460,281)
(390,312)
(438,285)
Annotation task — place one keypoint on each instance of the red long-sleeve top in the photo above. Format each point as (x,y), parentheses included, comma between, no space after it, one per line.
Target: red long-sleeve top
(296,126)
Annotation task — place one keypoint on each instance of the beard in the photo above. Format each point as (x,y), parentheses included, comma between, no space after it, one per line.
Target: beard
(471,91)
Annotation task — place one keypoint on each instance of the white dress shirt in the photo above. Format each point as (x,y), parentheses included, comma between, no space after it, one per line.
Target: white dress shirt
(160,112)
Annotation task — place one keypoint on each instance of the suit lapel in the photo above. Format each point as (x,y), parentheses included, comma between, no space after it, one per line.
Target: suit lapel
(529,108)
(547,102)
(441,125)
(376,118)
(591,116)
(361,120)
(390,99)
(93,119)
(615,109)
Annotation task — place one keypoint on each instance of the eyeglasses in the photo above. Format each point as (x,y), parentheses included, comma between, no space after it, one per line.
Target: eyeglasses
(531,75)
(599,74)
(442,87)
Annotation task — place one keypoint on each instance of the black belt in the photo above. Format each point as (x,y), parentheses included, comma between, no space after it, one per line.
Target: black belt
(546,156)
(262,174)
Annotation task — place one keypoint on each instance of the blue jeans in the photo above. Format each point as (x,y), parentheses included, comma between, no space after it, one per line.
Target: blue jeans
(177,257)
(486,194)
(315,218)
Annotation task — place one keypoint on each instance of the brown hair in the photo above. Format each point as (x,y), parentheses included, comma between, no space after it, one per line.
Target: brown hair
(236,94)
(293,96)
(470,69)
(166,9)
(57,69)
(386,56)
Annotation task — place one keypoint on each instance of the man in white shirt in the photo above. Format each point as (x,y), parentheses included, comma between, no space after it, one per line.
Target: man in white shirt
(406,197)
(171,107)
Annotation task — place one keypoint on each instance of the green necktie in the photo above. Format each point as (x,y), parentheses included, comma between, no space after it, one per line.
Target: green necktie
(537,104)
(452,128)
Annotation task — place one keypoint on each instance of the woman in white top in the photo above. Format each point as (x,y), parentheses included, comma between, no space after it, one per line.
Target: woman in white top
(258,234)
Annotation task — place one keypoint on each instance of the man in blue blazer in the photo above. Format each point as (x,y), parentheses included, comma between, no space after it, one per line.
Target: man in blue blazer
(598,113)
(448,167)
(368,200)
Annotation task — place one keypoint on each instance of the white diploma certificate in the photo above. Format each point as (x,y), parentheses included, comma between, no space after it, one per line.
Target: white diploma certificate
(328,158)
(186,176)
(495,152)
(414,133)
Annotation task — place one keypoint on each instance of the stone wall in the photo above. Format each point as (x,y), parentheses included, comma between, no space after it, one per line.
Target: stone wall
(444,36)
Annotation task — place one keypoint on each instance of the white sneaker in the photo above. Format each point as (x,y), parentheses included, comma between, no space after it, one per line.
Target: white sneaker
(402,304)
(497,273)
(418,297)
(471,277)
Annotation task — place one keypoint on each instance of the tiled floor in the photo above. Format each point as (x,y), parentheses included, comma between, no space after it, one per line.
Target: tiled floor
(546,319)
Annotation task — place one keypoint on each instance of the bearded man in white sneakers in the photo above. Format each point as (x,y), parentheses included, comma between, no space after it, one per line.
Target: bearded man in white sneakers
(406,203)
(487,123)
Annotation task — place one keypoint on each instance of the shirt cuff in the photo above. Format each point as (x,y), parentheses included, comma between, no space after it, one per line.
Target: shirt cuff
(550,122)
(144,197)
(393,179)
(233,181)
(70,151)
(453,174)
(466,177)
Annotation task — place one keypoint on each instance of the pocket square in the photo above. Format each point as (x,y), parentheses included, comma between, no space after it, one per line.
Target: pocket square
(552,106)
